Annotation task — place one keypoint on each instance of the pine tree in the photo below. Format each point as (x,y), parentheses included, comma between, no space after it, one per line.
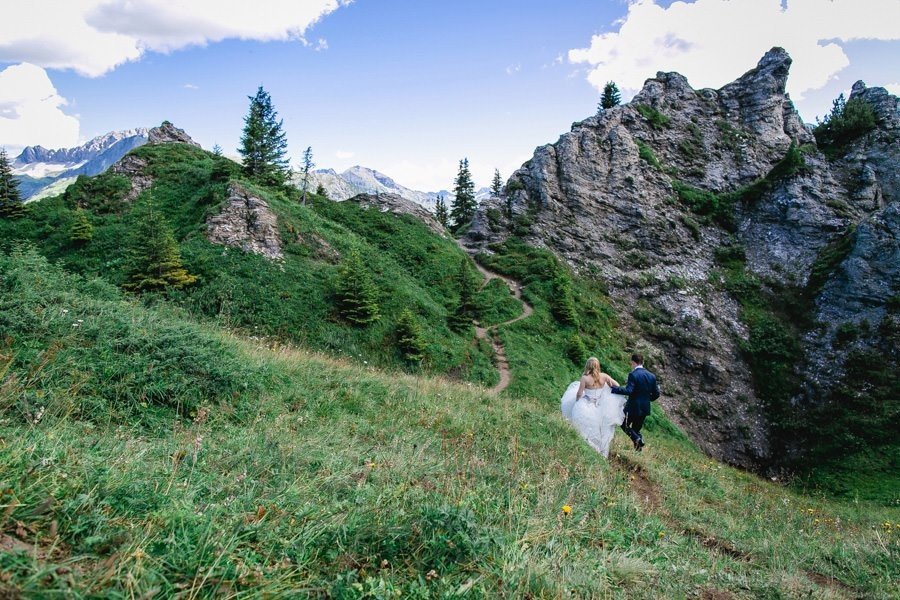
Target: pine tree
(82,231)
(263,142)
(155,261)
(463,210)
(11,204)
(306,171)
(410,339)
(611,97)
(321,191)
(217,149)
(440,211)
(466,310)
(356,297)
(497,184)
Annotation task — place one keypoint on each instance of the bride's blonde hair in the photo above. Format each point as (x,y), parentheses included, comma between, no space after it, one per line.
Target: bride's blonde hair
(592,368)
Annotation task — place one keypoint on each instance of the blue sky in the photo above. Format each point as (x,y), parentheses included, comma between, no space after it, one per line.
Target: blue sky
(410,86)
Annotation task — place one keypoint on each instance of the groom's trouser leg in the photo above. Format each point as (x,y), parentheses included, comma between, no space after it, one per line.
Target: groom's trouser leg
(626,427)
(632,426)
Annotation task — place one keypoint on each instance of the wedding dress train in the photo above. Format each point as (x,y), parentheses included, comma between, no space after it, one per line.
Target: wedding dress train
(596,416)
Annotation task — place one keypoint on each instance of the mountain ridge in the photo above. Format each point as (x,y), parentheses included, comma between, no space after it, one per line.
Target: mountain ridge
(712,216)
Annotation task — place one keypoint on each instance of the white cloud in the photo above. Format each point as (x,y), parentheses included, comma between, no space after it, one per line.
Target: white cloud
(95,36)
(344,155)
(191,86)
(893,88)
(31,110)
(713,41)
(513,69)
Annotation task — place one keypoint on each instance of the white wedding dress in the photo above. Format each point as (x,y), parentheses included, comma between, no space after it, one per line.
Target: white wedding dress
(596,416)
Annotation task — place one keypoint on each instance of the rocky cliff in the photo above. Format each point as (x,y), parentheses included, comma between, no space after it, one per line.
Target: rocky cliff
(704,211)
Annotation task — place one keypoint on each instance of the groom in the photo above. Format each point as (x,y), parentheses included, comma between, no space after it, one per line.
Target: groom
(641,390)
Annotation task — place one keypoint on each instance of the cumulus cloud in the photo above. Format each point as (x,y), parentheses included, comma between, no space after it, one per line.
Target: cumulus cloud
(95,36)
(713,41)
(31,110)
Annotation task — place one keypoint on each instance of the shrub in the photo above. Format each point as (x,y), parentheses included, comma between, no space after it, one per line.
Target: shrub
(656,119)
(692,226)
(847,121)
(356,296)
(82,231)
(155,260)
(101,195)
(577,350)
(646,154)
(466,308)
(410,340)
(562,300)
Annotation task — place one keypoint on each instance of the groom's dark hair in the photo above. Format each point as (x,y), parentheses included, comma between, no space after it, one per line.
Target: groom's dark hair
(637,359)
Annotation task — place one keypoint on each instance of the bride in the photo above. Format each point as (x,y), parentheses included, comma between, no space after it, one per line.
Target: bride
(592,408)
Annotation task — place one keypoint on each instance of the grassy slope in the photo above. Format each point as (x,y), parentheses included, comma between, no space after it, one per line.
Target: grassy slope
(304,475)
(289,300)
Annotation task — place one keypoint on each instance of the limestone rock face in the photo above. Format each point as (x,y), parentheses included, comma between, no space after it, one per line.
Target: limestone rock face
(401,206)
(134,168)
(603,199)
(167,133)
(246,222)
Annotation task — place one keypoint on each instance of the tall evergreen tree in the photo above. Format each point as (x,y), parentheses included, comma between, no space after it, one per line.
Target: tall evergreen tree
(611,96)
(321,191)
(306,171)
(496,184)
(356,297)
(463,209)
(466,310)
(263,142)
(217,149)
(155,261)
(11,204)
(440,211)
(82,231)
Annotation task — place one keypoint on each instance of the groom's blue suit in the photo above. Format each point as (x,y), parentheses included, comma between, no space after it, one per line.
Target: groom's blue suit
(641,389)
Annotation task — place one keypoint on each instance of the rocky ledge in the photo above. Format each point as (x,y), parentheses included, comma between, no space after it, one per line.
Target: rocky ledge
(246,222)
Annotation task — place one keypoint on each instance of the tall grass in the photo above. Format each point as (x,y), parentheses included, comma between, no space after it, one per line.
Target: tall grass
(327,478)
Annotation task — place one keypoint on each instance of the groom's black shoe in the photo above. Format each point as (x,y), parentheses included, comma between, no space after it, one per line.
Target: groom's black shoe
(639,444)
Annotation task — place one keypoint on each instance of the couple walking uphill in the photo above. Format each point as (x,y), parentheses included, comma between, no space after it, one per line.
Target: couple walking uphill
(596,404)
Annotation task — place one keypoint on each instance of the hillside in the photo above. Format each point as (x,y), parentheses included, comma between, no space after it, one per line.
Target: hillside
(282,286)
(294,474)
(755,264)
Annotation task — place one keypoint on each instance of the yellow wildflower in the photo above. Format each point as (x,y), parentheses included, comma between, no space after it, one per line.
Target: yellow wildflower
(566,509)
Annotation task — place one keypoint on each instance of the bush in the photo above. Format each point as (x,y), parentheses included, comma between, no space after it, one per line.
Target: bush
(410,340)
(356,296)
(656,119)
(562,300)
(101,195)
(646,154)
(577,350)
(846,122)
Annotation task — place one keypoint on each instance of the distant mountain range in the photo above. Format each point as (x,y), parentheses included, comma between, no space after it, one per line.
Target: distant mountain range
(42,172)
(363,180)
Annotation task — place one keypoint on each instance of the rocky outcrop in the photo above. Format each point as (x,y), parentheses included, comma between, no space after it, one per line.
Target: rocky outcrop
(135,169)
(167,133)
(246,222)
(400,206)
(605,199)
